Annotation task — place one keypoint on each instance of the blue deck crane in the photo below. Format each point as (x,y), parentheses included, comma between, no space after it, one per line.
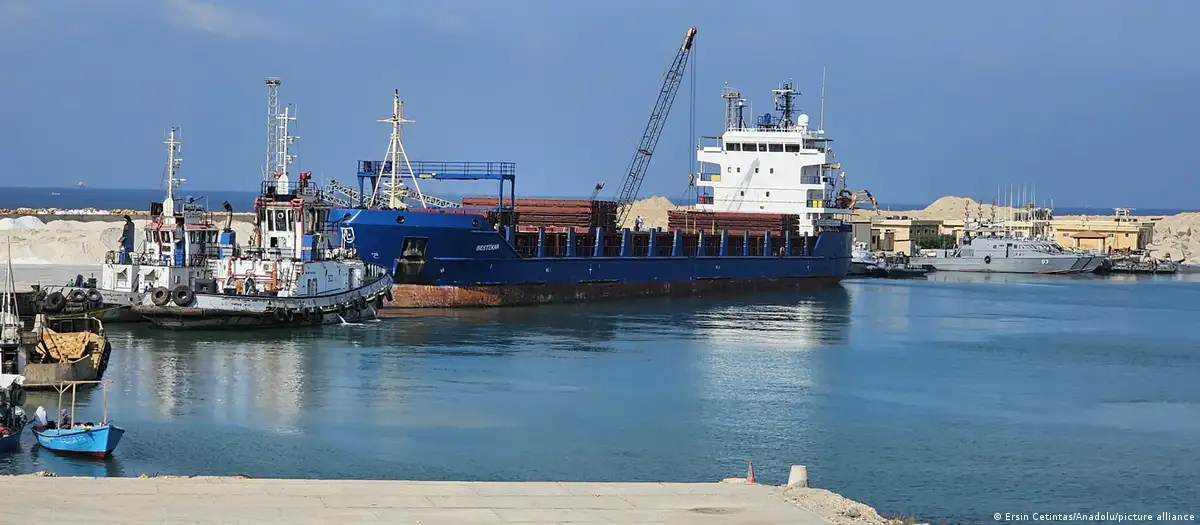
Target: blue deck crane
(658,117)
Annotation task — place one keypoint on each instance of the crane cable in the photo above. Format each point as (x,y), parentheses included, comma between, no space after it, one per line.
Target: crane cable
(693,174)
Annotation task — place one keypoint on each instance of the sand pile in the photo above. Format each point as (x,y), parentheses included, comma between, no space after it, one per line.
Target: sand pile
(27,222)
(76,242)
(1177,237)
(653,211)
(838,509)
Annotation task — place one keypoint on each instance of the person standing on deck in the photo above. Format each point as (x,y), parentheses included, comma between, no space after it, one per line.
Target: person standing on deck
(637,224)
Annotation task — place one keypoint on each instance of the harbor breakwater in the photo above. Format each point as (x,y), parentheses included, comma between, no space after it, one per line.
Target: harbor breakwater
(182,499)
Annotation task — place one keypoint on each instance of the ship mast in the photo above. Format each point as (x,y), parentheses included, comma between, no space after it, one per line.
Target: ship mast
(278,140)
(173,163)
(272,116)
(11,323)
(785,104)
(394,187)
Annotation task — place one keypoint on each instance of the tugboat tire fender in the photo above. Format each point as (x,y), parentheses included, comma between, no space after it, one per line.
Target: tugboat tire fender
(362,302)
(40,295)
(387,293)
(55,302)
(77,296)
(18,395)
(306,314)
(182,295)
(379,302)
(280,315)
(160,296)
(289,315)
(94,296)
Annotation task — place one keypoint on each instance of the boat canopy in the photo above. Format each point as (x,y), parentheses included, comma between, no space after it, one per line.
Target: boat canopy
(7,380)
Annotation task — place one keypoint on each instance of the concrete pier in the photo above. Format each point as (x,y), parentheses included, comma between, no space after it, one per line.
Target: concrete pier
(236,500)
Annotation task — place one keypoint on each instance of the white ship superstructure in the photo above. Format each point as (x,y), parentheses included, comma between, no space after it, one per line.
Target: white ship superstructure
(778,165)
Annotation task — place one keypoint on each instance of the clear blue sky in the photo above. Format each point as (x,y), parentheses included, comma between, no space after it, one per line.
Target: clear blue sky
(1095,102)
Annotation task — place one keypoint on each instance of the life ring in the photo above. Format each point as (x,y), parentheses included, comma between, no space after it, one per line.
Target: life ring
(182,295)
(94,296)
(160,296)
(77,296)
(987,259)
(55,302)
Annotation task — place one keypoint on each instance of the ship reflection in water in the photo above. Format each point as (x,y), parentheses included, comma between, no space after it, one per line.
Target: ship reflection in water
(434,394)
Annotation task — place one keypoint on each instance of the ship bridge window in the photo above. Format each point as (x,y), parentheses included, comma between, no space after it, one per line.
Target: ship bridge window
(762,147)
(749,146)
(733,146)
(776,148)
(791,148)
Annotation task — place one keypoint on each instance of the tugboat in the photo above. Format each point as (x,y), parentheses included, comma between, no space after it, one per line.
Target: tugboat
(177,242)
(297,271)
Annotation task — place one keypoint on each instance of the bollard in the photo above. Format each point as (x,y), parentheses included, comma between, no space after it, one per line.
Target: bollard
(798,477)
(750,474)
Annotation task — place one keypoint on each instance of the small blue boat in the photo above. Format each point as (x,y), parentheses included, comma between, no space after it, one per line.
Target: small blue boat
(98,440)
(67,435)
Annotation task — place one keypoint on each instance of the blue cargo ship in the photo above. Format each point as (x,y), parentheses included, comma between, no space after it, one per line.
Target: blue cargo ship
(442,254)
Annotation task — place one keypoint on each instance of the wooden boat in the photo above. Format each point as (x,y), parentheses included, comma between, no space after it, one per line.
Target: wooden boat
(50,349)
(93,439)
(12,416)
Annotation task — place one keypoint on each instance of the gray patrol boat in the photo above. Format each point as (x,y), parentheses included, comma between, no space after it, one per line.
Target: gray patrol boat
(989,250)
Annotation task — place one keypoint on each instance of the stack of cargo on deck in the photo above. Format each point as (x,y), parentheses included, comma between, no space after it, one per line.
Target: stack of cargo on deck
(695,221)
(554,214)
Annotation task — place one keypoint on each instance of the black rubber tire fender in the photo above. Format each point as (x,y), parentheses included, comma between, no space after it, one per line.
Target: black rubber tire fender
(55,302)
(94,296)
(160,296)
(77,296)
(182,295)
(289,315)
(387,294)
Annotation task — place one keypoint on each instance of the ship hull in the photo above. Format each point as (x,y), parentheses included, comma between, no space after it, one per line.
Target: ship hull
(452,273)
(1051,265)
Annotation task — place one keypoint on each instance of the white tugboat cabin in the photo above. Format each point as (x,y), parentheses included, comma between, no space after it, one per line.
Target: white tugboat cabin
(778,165)
(175,246)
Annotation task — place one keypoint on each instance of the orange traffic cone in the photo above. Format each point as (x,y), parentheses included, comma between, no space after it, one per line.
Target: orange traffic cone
(750,474)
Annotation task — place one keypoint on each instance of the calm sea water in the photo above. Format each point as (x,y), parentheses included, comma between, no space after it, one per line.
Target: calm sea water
(75,198)
(951,398)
